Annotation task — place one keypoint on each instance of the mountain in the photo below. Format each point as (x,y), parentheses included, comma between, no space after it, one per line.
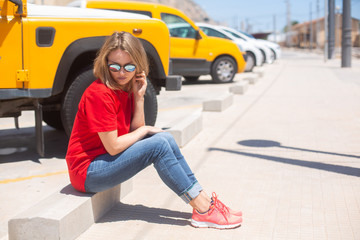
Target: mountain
(189,7)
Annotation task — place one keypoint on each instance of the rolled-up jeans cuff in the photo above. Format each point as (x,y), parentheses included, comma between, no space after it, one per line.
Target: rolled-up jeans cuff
(192,192)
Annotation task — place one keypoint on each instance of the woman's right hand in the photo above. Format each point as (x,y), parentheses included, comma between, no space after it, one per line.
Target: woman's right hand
(151,130)
(115,144)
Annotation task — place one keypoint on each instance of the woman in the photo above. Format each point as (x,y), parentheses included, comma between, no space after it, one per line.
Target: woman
(110,143)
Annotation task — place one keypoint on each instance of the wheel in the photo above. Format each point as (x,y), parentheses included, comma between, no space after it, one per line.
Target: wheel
(250,63)
(223,70)
(53,119)
(264,56)
(150,104)
(72,98)
(191,78)
(75,91)
(274,53)
(272,56)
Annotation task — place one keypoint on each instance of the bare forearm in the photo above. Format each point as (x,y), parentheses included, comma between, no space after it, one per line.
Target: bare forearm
(139,115)
(116,144)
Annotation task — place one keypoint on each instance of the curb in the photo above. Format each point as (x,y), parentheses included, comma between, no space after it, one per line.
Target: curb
(219,104)
(251,80)
(259,71)
(65,214)
(239,88)
(187,128)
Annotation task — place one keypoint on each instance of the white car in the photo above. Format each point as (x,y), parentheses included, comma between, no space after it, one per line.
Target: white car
(254,56)
(273,46)
(266,51)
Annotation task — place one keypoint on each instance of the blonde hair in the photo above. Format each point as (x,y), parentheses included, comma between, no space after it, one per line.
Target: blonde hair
(126,42)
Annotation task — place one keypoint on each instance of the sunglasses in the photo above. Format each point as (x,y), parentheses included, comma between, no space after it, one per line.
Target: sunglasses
(114,67)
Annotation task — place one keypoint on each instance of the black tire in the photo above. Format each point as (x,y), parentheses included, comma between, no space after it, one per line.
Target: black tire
(53,119)
(75,91)
(150,104)
(250,63)
(191,78)
(223,70)
(264,56)
(72,98)
(272,57)
(275,56)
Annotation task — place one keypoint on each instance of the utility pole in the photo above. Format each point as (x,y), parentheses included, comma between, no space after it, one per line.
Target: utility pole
(346,35)
(337,27)
(274,21)
(331,35)
(317,24)
(311,30)
(288,20)
(326,30)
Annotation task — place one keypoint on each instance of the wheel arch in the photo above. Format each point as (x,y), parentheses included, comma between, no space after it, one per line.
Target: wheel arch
(254,57)
(81,54)
(225,55)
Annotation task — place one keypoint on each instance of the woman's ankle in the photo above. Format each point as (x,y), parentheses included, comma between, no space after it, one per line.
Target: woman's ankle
(201,203)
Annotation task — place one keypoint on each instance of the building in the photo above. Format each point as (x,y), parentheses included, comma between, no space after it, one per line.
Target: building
(303,37)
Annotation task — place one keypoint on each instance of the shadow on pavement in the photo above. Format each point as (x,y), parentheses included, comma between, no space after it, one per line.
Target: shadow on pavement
(20,144)
(351,171)
(125,212)
(268,143)
(199,82)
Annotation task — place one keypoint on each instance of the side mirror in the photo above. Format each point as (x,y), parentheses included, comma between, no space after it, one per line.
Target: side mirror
(18,3)
(198,35)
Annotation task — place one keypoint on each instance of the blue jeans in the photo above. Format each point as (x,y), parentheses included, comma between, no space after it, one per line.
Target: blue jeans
(107,171)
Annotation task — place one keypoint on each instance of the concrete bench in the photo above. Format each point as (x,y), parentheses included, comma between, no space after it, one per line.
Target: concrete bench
(187,128)
(220,103)
(65,214)
(239,88)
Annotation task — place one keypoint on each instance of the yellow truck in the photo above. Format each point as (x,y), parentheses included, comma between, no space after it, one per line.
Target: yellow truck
(47,53)
(192,52)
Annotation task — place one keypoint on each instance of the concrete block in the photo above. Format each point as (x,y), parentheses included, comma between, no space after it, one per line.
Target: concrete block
(64,215)
(259,71)
(187,128)
(219,104)
(239,88)
(251,80)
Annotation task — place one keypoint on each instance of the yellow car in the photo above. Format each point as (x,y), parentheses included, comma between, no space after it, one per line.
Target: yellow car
(192,52)
(47,54)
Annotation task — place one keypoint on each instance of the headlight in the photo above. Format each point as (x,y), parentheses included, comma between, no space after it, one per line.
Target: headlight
(241,48)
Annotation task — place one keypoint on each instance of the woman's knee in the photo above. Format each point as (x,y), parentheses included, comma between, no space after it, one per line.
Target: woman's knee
(168,137)
(159,141)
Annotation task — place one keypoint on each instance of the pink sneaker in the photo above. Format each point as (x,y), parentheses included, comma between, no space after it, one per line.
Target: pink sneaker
(217,202)
(217,217)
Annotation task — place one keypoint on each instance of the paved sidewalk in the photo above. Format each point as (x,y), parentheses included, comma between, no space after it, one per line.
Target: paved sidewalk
(287,153)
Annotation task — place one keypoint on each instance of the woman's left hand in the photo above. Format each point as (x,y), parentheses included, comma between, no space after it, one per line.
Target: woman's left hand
(139,85)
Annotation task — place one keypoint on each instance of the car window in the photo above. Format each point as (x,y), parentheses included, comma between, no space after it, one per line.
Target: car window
(213,33)
(247,34)
(234,34)
(178,27)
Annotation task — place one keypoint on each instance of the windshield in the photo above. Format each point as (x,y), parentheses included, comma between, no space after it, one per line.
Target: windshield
(178,27)
(247,34)
(213,33)
(235,34)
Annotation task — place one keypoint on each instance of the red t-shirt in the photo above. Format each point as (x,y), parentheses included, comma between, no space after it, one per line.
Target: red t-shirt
(100,110)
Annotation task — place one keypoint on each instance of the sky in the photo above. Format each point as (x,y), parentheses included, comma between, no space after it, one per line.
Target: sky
(260,13)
